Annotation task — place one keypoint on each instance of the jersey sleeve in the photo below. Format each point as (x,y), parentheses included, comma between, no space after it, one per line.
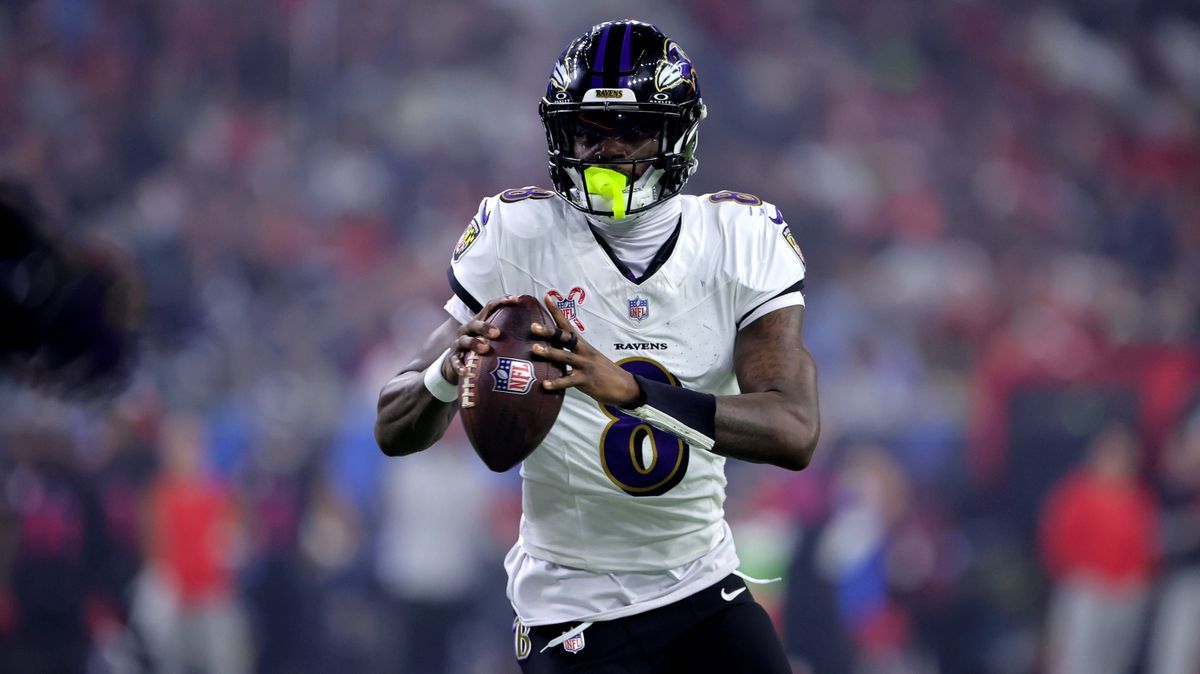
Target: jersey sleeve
(770,266)
(474,274)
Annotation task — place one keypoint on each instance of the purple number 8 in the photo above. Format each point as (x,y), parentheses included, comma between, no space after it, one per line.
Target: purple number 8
(736,197)
(622,441)
(522,193)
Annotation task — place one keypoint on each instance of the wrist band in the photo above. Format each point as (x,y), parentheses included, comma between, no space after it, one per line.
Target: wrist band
(436,384)
(689,414)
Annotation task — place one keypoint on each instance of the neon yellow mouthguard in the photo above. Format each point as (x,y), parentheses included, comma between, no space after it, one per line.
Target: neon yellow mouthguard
(609,184)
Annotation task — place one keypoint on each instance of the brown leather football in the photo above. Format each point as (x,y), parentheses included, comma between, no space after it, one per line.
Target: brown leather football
(505,410)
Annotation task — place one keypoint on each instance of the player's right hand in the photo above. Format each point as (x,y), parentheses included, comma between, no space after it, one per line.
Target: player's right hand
(473,336)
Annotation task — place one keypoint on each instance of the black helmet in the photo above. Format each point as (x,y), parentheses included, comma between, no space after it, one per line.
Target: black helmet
(622,79)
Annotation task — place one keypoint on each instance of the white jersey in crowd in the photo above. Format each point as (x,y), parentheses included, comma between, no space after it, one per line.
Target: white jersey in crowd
(618,517)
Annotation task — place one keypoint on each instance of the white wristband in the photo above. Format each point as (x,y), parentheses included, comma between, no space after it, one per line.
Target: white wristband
(436,384)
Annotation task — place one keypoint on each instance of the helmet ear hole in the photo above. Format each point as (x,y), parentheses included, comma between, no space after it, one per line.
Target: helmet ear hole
(623,68)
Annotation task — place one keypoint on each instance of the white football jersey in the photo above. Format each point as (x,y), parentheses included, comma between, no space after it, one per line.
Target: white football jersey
(605,492)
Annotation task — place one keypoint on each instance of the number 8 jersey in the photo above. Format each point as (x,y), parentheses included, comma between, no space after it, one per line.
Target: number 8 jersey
(606,492)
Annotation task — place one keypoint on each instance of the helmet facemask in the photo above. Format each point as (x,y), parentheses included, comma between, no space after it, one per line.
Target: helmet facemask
(658,154)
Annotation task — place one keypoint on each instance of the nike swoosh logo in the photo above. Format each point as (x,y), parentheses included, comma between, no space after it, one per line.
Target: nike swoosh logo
(729,596)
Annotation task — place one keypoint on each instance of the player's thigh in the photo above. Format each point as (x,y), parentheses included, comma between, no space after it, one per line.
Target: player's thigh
(740,638)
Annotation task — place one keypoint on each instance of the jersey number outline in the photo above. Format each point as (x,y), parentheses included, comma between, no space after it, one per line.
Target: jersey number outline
(735,197)
(522,193)
(622,439)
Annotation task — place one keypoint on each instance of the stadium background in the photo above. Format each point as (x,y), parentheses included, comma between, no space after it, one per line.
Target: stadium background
(999,203)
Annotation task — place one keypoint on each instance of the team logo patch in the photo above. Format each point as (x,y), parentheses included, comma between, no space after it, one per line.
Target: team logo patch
(569,305)
(639,309)
(560,77)
(469,235)
(787,236)
(574,644)
(675,69)
(512,375)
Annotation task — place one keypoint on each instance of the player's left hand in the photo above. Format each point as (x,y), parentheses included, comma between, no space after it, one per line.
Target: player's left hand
(590,371)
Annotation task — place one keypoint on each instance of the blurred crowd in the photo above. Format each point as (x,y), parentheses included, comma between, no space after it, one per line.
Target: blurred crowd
(1000,208)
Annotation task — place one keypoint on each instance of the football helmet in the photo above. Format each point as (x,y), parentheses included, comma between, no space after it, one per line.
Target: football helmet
(621,111)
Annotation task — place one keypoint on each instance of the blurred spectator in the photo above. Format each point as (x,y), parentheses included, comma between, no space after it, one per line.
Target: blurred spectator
(279,586)
(813,633)
(1099,543)
(128,468)
(433,542)
(1174,646)
(52,599)
(186,607)
(858,565)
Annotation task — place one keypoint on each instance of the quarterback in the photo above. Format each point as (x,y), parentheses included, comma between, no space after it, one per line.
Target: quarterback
(679,320)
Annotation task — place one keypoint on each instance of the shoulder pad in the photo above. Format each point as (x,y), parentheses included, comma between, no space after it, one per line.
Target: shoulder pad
(747,207)
(520,213)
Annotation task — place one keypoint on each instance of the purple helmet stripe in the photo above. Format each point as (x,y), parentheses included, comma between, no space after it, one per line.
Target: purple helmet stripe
(625,65)
(598,64)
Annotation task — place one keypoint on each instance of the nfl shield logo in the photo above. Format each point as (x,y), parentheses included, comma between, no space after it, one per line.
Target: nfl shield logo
(639,309)
(512,375)
(574,644)
(567,307)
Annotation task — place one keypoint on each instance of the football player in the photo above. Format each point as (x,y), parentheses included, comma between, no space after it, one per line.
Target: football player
(679,318)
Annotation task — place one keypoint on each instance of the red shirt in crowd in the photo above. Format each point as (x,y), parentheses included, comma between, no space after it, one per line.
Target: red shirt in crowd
(192,536)
(1100,526)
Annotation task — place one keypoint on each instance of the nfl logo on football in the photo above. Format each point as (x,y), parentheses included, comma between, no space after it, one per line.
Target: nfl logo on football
(639,309)
(512,375)
(574,644)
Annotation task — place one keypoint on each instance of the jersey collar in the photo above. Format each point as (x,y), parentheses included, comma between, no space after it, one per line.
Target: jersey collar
(659,259)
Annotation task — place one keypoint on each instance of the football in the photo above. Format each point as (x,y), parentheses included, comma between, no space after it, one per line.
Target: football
(505,410)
